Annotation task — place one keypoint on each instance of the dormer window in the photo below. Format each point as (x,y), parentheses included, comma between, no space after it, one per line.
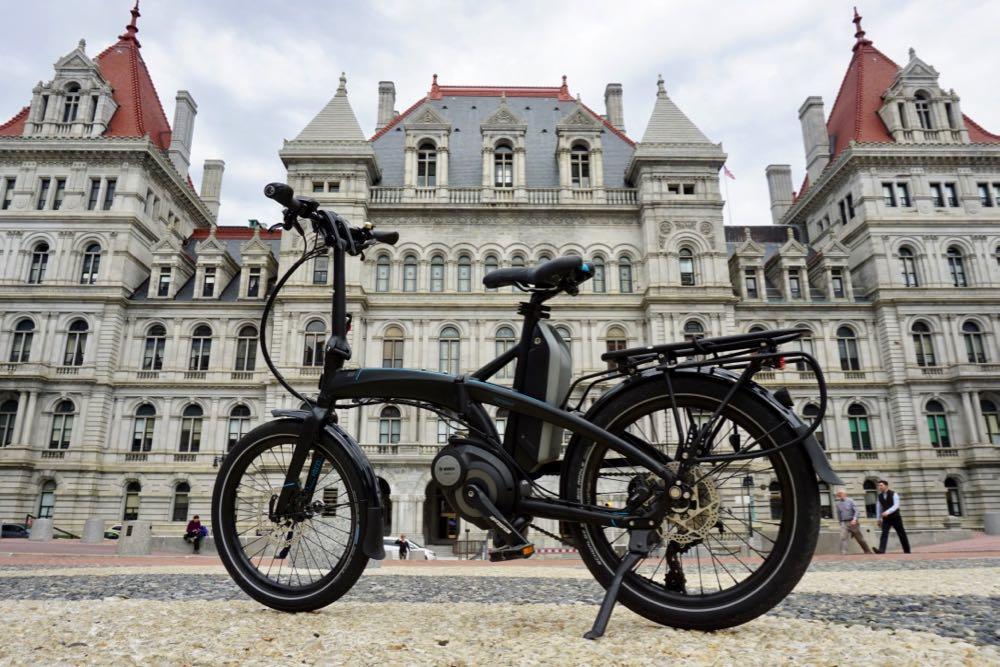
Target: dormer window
(794,284)
(837,280)
(503,166)
(253,282)
(163,284)
(923,105)
(208,285)
(71,104)
(579,166)
(427,165)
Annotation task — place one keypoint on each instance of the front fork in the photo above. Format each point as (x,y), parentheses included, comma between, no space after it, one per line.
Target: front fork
(294,498)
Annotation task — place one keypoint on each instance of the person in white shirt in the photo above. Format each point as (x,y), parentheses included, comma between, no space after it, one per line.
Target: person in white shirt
(887,511)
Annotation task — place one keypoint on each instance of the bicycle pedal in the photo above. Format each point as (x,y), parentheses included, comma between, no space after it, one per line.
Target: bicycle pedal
(512,553)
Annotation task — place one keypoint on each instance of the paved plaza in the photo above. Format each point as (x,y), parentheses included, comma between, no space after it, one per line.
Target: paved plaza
(64,603)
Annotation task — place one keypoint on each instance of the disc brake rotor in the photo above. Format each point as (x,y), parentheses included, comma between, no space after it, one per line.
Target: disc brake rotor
(693,523)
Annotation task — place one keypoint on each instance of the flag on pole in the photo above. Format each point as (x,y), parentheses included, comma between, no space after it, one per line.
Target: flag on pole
(728,173)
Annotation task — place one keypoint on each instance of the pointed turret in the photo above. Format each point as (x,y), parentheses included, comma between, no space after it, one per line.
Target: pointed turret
(336,122)
(668,124)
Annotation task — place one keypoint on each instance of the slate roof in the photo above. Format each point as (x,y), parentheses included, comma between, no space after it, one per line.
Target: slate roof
(336,121)
(770,237)
(668,124)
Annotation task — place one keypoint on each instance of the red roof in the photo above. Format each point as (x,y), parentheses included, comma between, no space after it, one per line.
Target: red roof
(977,134)
(234,233)
(15,126)
(855,112)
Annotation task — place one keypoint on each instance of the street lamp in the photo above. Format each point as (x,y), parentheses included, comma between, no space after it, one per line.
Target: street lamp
(748,485)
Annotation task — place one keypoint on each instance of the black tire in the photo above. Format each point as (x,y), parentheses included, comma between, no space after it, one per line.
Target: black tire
(329,570)
(782,563)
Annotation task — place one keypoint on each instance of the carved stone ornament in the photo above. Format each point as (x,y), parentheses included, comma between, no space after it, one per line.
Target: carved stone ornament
(685,224)
(706,228)
(666,228)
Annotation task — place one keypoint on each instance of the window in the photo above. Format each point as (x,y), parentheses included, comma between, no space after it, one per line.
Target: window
(850,206)
(317,186)
(152,353)
(565,334)
(599,284)
(996,193)
(625,274)
(504,341)
(903,191)
(181,499)
(201,348)
(991,416)
(825,504)
(805,345)
(956,266)
(321,266)
(91,264)
(76,343)
(503,167)
(208,284)
(427,165)
(937,424)
(448,350)
(756,329)
(909,267)
(47,501)
(517,261)
(382,273)
(60,194)
(444,431)
(246,348)
(687,188)
(923,105)
(253,283)
(239,424)
(842,207)
(809,414)
(750,280)
(974,349)
(837,283)
(693,330)
(131,511)
(614,341)
(390,424)
(952,497)
(71,103)
(857,421)
(579,166)
(20,349)
(333,186)
(949,115)
(501,423)
(951,191)
(39,262)
(896,194)
(62,425)
(410,273)
(888,194)
(871,498)
(847,346)
(794,284)
(392,348)
(109,193)
(163,285)
(687,266)
(8,194)
(923,344)
(8,415)
(775,503)
(937,195)
(491,264)
(984,195)
(437,273)
(143,427)
(314,340)
(464,273)
(191,429)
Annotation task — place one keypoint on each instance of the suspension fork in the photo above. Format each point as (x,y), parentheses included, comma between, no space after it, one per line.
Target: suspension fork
(311,427)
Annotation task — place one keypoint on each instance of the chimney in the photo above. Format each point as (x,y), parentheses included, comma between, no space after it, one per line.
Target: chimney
(183,131)
(814,136)
(211,185)
(613,105)
(779,185)
(386,103)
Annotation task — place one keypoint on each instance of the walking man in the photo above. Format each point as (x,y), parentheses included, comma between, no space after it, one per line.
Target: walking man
(887,507)
(404,547)
(847,512)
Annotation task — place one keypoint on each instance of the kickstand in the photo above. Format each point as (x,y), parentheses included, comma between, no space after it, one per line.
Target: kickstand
(639,545)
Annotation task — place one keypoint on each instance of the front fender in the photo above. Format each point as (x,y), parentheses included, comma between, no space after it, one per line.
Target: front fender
(371,541)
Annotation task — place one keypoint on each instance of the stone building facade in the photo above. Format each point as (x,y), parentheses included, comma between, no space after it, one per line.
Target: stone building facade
(129,319)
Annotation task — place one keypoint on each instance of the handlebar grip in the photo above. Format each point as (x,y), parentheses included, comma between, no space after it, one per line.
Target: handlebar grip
(282,194)
(388,238)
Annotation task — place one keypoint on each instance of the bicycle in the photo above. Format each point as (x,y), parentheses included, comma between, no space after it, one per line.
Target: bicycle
(656,484)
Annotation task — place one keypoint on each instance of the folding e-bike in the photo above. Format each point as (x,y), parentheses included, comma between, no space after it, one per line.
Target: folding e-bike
(689,489)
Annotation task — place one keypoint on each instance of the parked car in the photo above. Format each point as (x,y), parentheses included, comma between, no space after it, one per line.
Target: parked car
(15,530)
(417,552)
(114,532)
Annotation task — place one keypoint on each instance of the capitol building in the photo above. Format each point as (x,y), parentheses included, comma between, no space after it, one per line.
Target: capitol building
(129,309)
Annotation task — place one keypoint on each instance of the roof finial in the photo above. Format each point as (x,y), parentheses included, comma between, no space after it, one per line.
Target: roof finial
(661,91)
(435,89)
(913,53)
(342,88)
(859,33)
(82,44)
(132,28)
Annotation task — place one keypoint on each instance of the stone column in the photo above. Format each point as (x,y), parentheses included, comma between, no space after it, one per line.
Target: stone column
(29,417)
(22,408)
(972,433)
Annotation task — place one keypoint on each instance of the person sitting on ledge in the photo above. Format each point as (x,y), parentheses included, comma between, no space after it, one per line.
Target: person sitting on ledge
(195,532)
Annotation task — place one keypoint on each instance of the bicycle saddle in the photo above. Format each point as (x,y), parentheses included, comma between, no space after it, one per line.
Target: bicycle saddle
(563,271)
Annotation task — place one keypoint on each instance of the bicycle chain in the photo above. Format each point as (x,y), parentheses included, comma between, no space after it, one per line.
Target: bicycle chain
(557,538)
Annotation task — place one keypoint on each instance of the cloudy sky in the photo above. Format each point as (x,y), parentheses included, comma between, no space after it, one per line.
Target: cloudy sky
(260,70)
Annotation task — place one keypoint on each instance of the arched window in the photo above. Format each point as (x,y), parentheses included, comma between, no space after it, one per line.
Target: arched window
(923,344)
(321,270)
(464,273)
(774,500)
(579,166)
(76,343)
(410,273)
(239,423)
(131,511)
(974,349)
(757,328)
(686,259)
(693,330)
(392,348)
(565,334)
(991,416)
(39,262)
(544,257)
(91,264)
(182,497)
(47,500)
(504,341)
(956,266)
(143,428)
(191,429)
(953,497)
(810,412)
(427,165)
(501,422)
(625,274)
(857,422)
(382,273)
(805,344)
(437,273)
(503,166)
(20,349)
(71,103)
(152,351)
(490,264)
(201,348)
(909,267)
(314,341)
(448,350)
(517,262)
(62,425)
(8,415)
(923,104)
(246,348)
(937,424)
(390,423)
(614,341)
(599,280)
(871,498)
(847,347)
